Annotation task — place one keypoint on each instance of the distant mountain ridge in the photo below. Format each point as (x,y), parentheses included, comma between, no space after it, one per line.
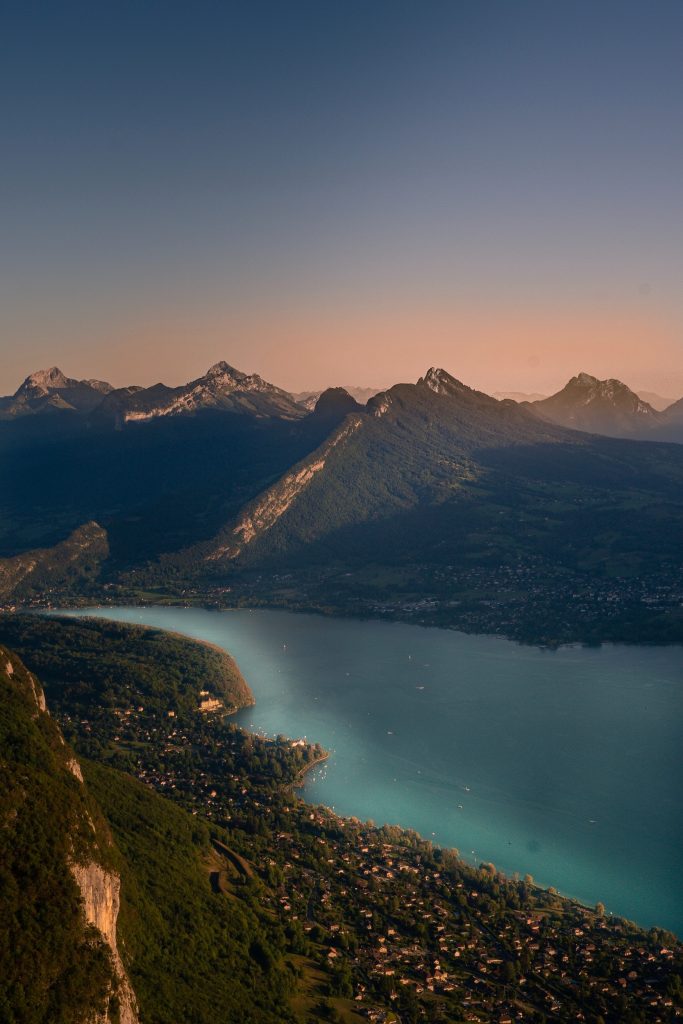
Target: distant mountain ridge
(50,391)
(435,498)
(598,406)
(413,443)
(221,388)
(658,402)
(519,396)
(308,399)
(586,403)
(425,476)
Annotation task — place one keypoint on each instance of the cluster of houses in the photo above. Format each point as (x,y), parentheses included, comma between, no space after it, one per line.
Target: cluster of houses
(410,925)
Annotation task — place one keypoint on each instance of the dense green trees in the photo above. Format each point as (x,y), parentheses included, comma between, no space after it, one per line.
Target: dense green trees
(53,969)
(192,954)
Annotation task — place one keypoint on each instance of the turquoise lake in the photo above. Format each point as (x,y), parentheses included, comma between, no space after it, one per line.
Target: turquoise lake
(564,764)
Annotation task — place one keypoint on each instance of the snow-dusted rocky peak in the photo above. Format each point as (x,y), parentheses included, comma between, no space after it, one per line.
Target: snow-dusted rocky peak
(52,391)
(226,378)
(223,375)
(222,387)
(44,382)
(442,383)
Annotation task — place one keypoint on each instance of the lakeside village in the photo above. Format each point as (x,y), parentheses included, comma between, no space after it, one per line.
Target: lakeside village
(529,601)
(394,929)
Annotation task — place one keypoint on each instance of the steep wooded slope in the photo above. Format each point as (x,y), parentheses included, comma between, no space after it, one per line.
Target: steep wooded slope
(59,889)
(438,471)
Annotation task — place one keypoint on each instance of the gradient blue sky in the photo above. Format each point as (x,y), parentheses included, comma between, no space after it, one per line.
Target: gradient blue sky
(343,192)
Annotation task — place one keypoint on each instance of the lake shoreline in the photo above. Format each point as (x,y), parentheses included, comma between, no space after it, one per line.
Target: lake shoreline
(258,645)
(205,603)
(300,780)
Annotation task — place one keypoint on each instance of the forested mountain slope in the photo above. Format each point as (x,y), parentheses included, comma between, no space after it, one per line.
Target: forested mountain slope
(107,911)
(59,887)
(437,471)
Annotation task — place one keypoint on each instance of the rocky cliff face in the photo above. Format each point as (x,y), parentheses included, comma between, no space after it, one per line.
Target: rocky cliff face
(262,514)
(76,848)
(100,891)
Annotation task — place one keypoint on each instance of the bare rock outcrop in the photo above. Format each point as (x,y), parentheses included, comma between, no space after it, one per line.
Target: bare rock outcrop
(100,890)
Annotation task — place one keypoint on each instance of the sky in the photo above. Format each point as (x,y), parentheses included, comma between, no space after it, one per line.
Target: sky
(343,192)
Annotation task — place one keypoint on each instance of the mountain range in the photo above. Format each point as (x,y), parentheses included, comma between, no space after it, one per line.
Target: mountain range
(439,471)
(228,480)
(221,387)
(585,403)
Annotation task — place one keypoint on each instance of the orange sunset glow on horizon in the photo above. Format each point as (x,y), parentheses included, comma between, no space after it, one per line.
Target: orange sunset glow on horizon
(532,350)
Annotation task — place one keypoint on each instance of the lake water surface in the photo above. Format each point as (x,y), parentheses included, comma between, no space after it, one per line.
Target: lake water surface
(564,764)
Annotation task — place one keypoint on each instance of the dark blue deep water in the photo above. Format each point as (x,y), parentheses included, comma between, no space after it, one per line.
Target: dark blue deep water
(563,764)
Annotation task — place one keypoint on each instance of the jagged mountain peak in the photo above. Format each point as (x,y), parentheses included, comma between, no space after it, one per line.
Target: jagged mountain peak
(611,390)
(225,377)
(223,369)
(221,388)
(440,381)
(599,406)
(42,382)
(50,391)
(45,380)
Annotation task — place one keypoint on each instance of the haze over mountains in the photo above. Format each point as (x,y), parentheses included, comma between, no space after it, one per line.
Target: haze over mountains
(611,408)
(657,402)
(598,406)
(361,395)
(585,403)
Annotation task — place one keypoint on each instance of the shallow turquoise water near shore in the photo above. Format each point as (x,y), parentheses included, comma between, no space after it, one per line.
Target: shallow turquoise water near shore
(564,764)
